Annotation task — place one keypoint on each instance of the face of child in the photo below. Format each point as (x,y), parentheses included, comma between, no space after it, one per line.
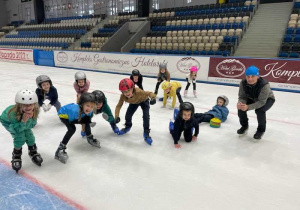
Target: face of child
(167,91)
(46,86)
(186,115)
(128,93)
(99,105)
(27,108)
(220,102)
(80,82)
(162,71)
(88,107)
(251,79)
(193,74)
(135,78)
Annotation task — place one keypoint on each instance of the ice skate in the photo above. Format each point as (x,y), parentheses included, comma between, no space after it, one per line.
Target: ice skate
(195,93)
(16,162)
(147,138)
(176,111)
(124,130)
(185,93)
(34,155)
(83,134)
(61,154)
(92,141)
(258,135)
(171,126)
(242,131)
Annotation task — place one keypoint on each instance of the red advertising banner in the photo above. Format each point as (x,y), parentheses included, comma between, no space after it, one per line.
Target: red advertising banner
(231,70)
(16,55)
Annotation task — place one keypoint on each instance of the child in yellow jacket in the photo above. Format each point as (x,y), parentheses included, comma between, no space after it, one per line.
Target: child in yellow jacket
(171,89)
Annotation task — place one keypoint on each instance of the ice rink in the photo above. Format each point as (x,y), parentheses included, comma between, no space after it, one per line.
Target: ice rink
(219,171)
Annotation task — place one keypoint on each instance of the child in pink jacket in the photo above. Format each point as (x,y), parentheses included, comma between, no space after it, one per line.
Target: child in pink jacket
(81,84)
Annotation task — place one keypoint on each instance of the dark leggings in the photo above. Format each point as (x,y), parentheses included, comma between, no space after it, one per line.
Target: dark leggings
(188,135)
(131,110)
(72,128)
(157,86)
(203,117)
(178,95)
(188,85)
(261,116)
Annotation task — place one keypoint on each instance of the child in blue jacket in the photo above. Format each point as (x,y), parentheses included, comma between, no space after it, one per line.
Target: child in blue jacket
(219,111)
(45,91)
(72,114)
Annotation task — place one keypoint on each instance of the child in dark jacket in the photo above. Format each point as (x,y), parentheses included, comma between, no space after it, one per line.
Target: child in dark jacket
(103,107)
(137,78)
(72,114)
(18,120)
(184,122)
(45,91)
(219,111)
(163,75)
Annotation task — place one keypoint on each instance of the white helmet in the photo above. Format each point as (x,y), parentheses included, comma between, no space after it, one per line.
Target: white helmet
(26,97)
(226,100)
(80,75)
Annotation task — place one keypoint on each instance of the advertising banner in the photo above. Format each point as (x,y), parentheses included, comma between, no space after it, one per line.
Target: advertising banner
(17,55)
(125,63)
(283,74)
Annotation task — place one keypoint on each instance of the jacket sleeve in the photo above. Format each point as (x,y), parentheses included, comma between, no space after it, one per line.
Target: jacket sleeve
(54,96)
(40,96)
(86,86)
(262,98)
(119,106)
(149,94)
(141,82)
(76,87)
(176,131)
(196,126)
(242,94)
(107,111)
(20,126)
(225,113)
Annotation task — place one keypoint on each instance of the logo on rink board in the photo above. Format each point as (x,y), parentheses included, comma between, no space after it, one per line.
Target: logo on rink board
(62,57)
(231,68)
(184,64)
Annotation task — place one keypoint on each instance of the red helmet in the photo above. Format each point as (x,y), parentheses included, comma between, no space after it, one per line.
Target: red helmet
(126,84)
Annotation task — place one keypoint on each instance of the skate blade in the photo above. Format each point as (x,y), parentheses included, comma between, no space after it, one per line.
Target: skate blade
(95,145)
(62,161)
(244,134)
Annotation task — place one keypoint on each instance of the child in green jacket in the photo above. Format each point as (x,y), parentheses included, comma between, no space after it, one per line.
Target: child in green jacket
(19,119)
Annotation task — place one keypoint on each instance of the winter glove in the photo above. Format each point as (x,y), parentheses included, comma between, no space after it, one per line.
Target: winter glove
(49,107)
(153,101)
(117,120)
(105,116)
(92,124)
(45,107)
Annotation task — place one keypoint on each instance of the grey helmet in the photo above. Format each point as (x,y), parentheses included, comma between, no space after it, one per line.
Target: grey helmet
(42,78)
(162,66)
(80,75)
(224,98)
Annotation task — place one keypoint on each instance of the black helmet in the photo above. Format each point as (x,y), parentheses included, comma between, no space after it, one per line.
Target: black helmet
(87,97)
(135,72)
(187,106)
(100,97)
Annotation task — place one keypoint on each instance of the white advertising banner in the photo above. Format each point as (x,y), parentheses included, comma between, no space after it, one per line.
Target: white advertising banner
(16,55)
(178,66)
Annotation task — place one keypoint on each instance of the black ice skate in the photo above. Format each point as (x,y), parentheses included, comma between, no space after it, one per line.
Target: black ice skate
(93,142)
(61,154)
(258,135)
(16,162)
(34,155)
(242,131)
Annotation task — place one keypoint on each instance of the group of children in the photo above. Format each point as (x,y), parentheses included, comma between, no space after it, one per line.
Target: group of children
(20,118)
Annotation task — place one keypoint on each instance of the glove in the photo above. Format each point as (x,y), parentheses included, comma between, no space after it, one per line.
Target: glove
(92,124)
(117,120)
(153,101)
(45,107)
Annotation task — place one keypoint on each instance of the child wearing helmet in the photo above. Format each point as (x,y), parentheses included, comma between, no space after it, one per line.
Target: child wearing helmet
(137,78)
(163,75)
(184,122)
(135,97)
(191,78)
(219,111)
(18,120)
(72,114)
(45,91)
(171,89)
(103,107)
(81,84)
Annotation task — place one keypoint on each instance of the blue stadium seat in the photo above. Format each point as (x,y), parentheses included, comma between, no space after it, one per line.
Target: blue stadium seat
(297,30)
(291,31)
(297,38)
(283,55)
(294,55)
(287,38)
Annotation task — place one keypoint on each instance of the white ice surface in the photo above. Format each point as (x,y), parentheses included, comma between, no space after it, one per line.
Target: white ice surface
(219,171)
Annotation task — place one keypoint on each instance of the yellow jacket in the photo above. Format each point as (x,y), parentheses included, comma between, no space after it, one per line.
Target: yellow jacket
(172,93)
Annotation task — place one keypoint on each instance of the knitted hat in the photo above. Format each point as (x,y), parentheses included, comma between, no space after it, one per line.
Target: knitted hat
(252,70)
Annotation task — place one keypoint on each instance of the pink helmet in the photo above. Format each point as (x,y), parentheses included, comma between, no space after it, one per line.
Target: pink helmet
(194,68)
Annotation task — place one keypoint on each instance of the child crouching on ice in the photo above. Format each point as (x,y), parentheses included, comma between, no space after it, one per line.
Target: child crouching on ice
(72,114)
(171,89)
(184,122)
(19,119)
(45,91)
(135,97)
(219,111)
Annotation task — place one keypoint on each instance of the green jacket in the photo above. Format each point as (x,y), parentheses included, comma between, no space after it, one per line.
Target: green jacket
(106,109)
(13,125)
